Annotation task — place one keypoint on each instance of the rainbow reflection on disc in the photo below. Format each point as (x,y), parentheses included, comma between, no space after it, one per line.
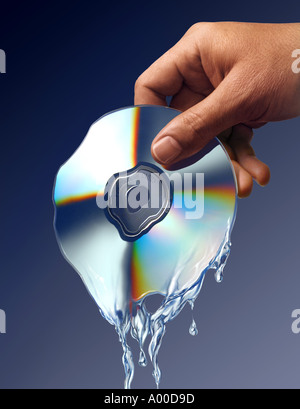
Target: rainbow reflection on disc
(173,256)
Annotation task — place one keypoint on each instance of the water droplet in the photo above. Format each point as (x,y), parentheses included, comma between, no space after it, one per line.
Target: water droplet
(142,360)
(193,329)
(219,276)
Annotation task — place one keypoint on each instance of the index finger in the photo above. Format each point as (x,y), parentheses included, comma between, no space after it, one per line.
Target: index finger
(160,80)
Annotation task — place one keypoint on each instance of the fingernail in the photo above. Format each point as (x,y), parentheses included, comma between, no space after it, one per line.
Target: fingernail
(166,150)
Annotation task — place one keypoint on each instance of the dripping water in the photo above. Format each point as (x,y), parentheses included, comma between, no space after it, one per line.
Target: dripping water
(193,330)
(143,323)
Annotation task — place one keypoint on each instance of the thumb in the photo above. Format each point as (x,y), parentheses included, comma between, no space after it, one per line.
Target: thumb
(190,131)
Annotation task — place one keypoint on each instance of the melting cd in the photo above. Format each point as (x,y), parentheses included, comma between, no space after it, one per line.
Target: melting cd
(130,228)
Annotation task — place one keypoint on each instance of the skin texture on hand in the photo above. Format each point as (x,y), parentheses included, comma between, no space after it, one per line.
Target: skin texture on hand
(227,78)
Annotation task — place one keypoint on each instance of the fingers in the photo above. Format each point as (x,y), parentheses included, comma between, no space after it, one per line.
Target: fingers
(246,166)
(244,180)
(186,98)
(189,132)
(180,68)
(245,155)
(161,79)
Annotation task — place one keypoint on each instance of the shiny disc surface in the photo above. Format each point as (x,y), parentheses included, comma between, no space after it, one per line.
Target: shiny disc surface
(170,257)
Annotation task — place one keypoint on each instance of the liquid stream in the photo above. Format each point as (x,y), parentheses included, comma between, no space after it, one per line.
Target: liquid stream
(141,323)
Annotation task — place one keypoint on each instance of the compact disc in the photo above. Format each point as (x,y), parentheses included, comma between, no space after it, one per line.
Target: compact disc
(124,253)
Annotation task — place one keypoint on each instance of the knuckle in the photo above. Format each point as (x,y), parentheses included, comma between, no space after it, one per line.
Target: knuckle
(191,122)
(199,27)
(139,83)
(193,28)
(143,81)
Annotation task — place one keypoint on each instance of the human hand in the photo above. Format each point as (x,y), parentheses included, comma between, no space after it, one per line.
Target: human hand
(227,78)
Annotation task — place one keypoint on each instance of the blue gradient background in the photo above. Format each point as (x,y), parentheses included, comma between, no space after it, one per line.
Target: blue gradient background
(68,63)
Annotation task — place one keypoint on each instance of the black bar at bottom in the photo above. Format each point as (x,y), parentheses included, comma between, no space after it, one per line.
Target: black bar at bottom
(144,397)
